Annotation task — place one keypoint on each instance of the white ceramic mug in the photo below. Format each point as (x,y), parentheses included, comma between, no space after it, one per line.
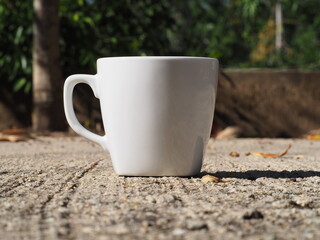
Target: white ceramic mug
(157,112)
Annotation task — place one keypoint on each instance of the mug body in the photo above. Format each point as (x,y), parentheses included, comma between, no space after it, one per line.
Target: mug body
(157,112)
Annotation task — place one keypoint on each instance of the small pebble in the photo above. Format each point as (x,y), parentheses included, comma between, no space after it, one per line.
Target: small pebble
(94,164)
(255,214)
(196,225)
(118,229)
(178,231)
(151,199)
(162,222)
(302,202)
(166,199)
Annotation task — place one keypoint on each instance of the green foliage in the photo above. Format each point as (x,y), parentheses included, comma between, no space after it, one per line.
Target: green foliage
(112,28)
(226,29)
(15,44)
(301,32)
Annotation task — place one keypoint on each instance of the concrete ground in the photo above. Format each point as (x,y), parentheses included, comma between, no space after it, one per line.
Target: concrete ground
(65,188)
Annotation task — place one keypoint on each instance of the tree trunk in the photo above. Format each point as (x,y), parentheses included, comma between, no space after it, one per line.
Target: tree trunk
(279,25)
(47,76)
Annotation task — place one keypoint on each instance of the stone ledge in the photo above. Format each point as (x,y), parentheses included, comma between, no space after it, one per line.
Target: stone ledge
(274,103)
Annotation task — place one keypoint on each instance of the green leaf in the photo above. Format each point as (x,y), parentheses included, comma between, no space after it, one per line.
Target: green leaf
(135,44)
(113,40)
(23,63)
(149,11)
(19,84)
(75,17)
(2,10)
(88,20)
(80,2)
(17,38)
(27,88)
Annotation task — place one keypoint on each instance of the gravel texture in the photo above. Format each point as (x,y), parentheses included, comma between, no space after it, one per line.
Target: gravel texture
(65,188)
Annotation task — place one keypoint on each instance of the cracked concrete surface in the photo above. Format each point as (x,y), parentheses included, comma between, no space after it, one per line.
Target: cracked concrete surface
(65,188)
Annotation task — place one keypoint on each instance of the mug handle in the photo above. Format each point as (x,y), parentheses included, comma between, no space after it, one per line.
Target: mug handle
(69,85)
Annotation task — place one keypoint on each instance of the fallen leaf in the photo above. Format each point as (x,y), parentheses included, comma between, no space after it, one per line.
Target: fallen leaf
(13,138)
(15,131)
(234,154)
(208,178)
(271,155)
(14,135)
(94,164)
(230,132)
(315,137)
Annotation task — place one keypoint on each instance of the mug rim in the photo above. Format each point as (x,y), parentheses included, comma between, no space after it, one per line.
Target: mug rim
(156,58)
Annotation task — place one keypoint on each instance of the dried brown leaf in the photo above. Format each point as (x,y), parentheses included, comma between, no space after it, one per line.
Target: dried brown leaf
(271,155)
(94,164)
(208,178)
(234,154)
(15,135)
(13,138)
(314,137)
(15,131)
(210,147)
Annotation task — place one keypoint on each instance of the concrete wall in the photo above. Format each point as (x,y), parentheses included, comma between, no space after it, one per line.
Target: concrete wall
(274,103)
